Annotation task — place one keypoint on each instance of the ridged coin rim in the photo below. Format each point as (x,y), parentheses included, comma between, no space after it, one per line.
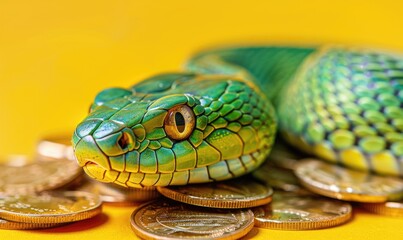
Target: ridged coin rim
(144,234)
(308,225)
(386,208)
(217,203)
(55,218)
(304,225)
(11,225)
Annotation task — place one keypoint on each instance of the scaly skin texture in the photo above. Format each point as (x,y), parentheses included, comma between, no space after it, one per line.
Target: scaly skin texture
(351,111)
(345,106)
(234,131)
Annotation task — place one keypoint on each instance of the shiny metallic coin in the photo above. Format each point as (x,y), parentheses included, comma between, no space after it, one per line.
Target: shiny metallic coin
(237,193)
(394,209)
(278,178)
(37,176)
(5,224)
(52,207)
(116,195)
(16,160)
(55,147)
(292,211)
(346,184)
(165,219)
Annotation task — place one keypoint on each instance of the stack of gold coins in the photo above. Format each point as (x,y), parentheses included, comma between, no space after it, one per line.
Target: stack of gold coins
(219,210)
(164,219)
(377,194)
(291,171)
(308,194)
(29,196)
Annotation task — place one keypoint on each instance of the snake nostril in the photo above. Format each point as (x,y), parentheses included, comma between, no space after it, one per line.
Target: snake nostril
(125,141)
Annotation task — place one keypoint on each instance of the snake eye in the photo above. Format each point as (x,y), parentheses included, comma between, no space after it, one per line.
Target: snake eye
(179,122)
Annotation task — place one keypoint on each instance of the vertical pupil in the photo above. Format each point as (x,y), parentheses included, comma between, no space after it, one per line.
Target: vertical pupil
(180,122)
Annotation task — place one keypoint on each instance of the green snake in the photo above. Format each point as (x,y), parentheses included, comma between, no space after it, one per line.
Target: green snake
(219,119)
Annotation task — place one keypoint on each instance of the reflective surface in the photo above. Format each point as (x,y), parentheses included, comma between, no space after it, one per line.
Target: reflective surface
(52,207)
(167,220)
(37,176)
(237,193)
(291,211)
(350,185)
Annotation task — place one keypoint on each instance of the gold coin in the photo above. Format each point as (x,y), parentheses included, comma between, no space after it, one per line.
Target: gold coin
(346,184)
(52,207)
(37,176)
(278,178)
(165,219)
(394,209)
(15,160)
(55,147)
(292,211)
(10,225)
(237,193)
(117,195)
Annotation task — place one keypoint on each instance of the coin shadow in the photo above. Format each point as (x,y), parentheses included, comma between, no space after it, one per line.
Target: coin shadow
(80,225)
(251,234)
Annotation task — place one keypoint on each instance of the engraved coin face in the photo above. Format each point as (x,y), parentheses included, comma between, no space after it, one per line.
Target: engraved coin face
(346,184)
(394,209)
(37,176)
(5,224)
(55,147)
(117,195)
(52,207)
(165,219)
(236,193)
(293,211)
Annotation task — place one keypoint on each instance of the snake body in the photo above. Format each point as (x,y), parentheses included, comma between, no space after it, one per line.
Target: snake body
(219,119)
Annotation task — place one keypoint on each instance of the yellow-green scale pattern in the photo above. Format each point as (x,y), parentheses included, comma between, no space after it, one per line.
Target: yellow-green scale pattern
(234,131)
(346,107)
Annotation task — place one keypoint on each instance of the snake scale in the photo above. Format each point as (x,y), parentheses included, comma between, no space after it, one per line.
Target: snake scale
(219,119)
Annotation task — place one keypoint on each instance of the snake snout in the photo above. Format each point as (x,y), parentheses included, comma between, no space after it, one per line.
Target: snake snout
(98,150)
(87,151)
(117,143)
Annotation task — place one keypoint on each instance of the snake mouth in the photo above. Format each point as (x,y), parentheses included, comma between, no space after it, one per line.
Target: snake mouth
(96,171)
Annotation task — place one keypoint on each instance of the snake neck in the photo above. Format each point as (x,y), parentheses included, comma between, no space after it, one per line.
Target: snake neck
(270,68)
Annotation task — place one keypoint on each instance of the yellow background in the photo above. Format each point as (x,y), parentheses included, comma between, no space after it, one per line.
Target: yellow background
(56,55)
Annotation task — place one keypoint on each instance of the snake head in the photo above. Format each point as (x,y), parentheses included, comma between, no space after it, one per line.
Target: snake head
(175,129)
